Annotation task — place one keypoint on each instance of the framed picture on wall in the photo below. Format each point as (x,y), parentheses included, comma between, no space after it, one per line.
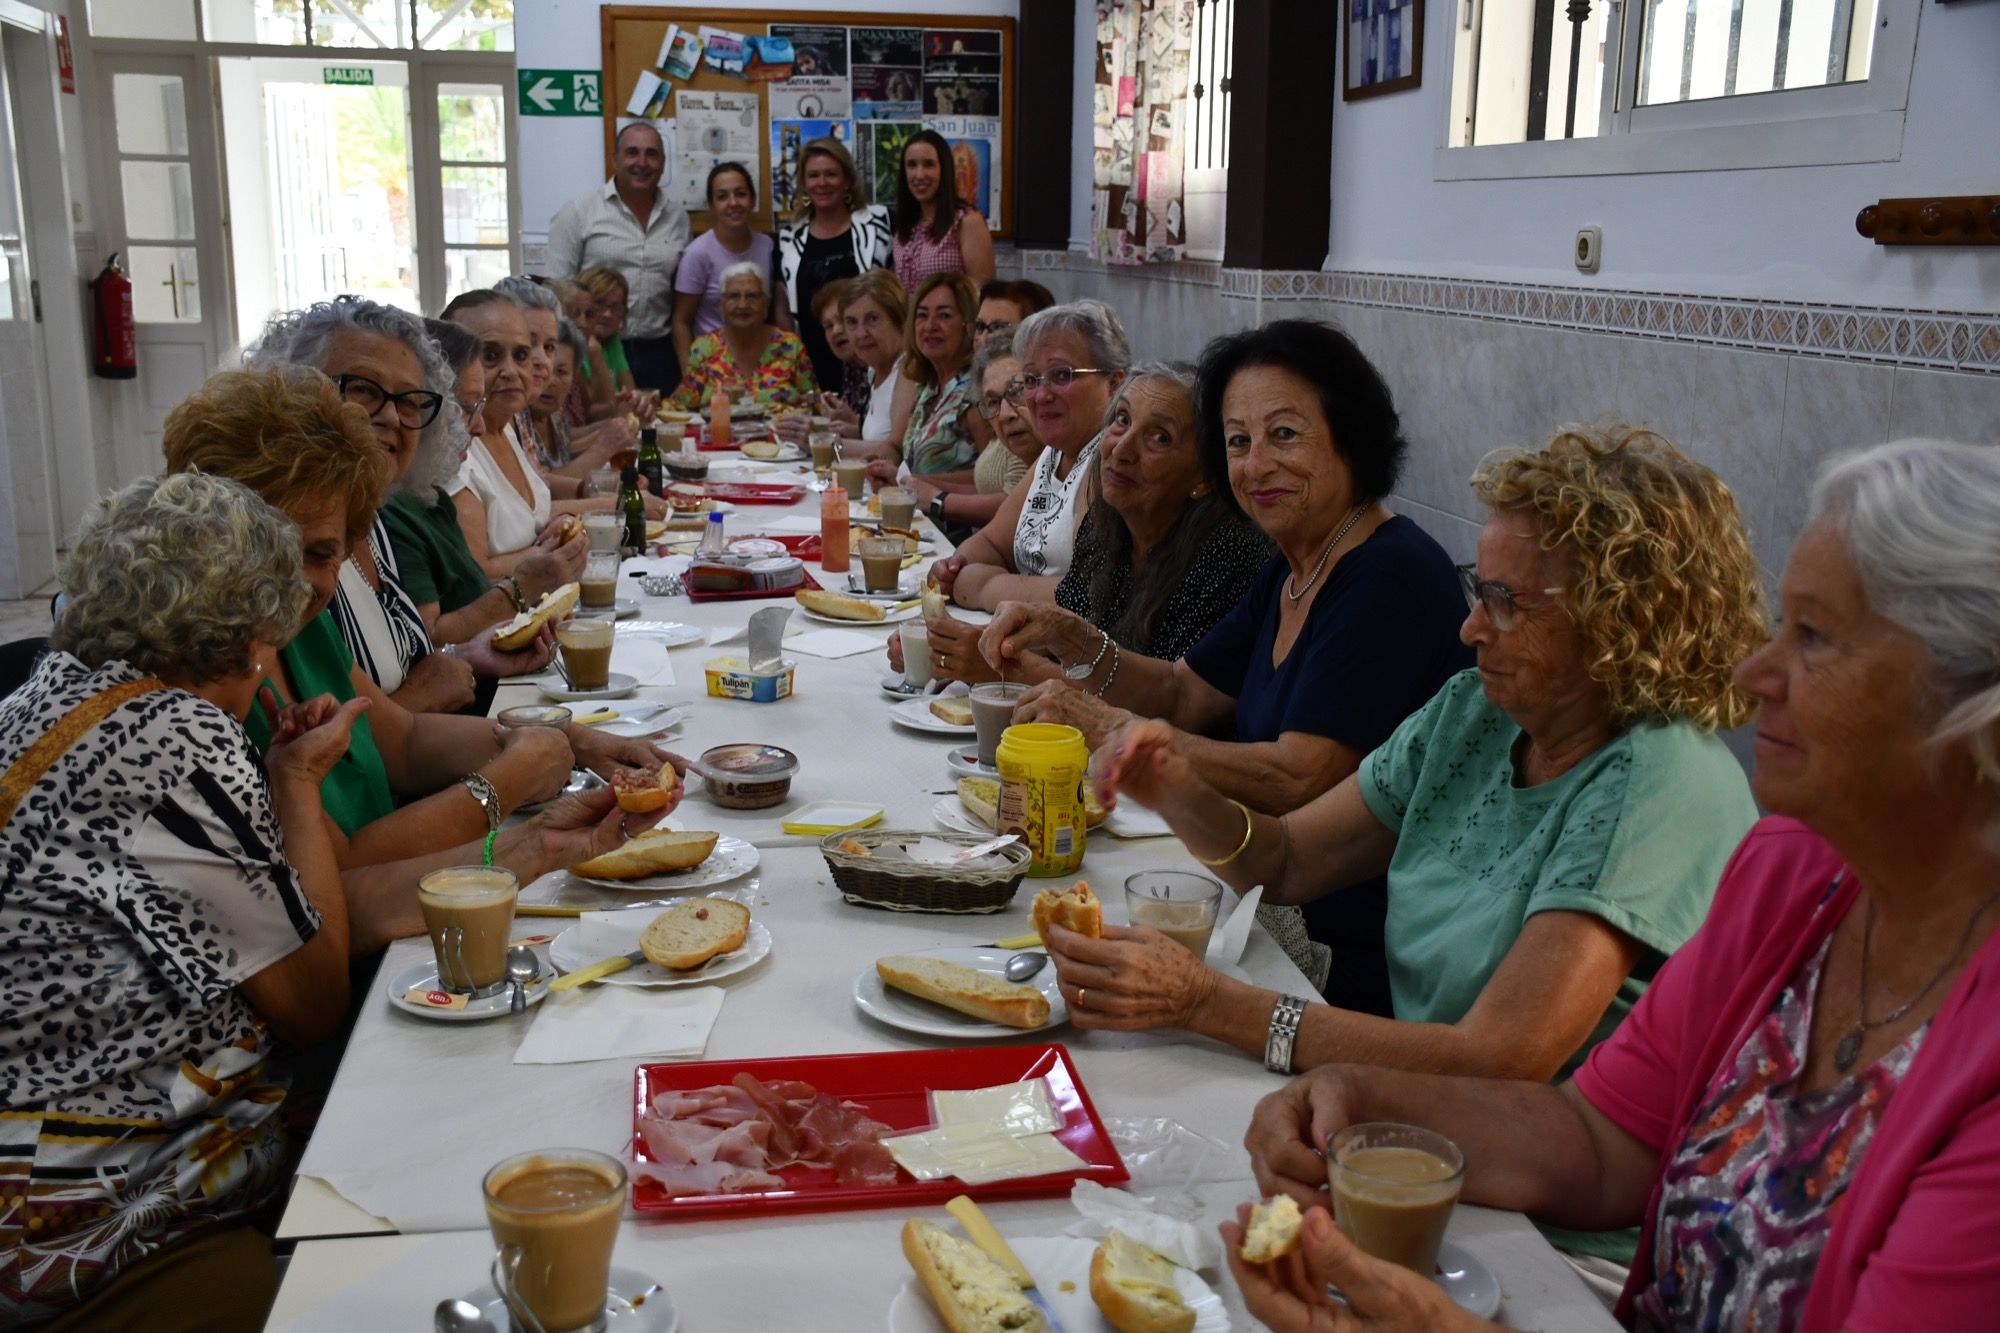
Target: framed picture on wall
(1385,48)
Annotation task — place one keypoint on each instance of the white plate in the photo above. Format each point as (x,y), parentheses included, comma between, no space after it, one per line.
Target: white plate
(875,998)
(950,813)
(669,632)
(1054,1260)
(618,686)
(643,719)
(475,1011)
(658,1314)
(895,687)
(916,714)
(570,953)
(888,617)
(732,857)
(963,761)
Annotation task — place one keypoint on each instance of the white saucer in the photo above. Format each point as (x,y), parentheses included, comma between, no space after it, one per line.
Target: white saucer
(895,687)
(731,858)
(656,1313)
(623,609)
(669,632)
(916,714)
(618,686)
(888,617)
(950,813)
(963,761)
(1469,1283)
(496,1005)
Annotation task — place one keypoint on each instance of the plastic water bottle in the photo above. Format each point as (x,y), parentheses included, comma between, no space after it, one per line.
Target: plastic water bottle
(713,543)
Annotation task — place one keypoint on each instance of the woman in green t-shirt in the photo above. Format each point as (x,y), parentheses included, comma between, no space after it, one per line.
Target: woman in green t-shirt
(286,433)
(1552,824)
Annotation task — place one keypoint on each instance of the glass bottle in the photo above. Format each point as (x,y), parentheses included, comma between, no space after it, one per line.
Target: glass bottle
(632,541)
(652,467)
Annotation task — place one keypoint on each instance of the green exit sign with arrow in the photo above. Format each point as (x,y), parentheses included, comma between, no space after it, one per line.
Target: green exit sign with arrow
(560,92)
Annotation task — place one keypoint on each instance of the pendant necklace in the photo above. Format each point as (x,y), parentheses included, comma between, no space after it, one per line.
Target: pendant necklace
(1849,1049)
(1345,528)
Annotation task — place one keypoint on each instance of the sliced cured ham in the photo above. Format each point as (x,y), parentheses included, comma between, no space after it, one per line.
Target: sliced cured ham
(733,1137)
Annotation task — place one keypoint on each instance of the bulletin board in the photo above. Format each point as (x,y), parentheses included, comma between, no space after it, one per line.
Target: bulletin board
(869,79)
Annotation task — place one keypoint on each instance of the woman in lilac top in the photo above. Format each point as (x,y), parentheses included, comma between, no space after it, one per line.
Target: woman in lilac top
(1803,1111)
(732,198)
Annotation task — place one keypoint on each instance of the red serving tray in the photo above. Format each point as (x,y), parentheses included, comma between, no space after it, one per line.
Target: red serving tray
(756,492)
(750,594)
(892,1087)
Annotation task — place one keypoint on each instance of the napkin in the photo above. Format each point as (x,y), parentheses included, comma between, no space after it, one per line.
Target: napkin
(619,1022)
(1226,945)
(1103,1209)
(834,643)
(807,524)
(1132,820)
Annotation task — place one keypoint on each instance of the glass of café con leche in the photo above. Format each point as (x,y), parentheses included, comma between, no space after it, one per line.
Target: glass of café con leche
(1394,1187)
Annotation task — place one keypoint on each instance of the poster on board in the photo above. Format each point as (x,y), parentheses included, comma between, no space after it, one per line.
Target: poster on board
(975,159)
(961,72)
(711,127)
(788,138)
(680,52)
(887,73)
(818,88)
(879,155)
(725,52)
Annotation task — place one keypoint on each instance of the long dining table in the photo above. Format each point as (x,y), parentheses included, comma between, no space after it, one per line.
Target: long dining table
(386,1218)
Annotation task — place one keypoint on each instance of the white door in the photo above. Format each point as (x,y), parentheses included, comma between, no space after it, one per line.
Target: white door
(160,176)
(28,537)
(466,198)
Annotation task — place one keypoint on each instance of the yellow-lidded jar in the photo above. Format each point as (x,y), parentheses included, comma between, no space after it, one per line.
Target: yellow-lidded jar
(1041,793)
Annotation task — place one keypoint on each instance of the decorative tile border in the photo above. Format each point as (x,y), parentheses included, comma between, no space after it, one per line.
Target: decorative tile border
(1940,339)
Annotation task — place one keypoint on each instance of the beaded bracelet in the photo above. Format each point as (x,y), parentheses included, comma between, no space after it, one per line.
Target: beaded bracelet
(513,589)
(486,856)
(1116,657)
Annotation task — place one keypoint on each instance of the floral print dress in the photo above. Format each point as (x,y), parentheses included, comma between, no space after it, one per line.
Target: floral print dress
(783,378)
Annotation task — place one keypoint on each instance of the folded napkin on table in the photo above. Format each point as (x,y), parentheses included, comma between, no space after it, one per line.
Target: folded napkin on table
(1226,945)
(833,643)
(619,1022)
(1131,820)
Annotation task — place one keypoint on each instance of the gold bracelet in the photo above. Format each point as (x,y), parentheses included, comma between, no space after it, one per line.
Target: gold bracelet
(1249,828)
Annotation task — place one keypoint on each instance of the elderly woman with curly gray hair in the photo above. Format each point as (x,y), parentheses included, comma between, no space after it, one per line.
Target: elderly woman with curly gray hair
(170,907)
(382,359)
(1551,824)
(1804,1109)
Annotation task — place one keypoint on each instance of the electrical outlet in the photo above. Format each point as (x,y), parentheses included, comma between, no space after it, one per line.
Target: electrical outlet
(1589,249)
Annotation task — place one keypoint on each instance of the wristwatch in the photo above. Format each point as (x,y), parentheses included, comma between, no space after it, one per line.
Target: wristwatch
(1284,1032)
(936,510)
(483,792)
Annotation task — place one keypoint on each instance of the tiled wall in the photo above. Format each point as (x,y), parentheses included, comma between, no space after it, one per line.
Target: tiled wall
(1761,391)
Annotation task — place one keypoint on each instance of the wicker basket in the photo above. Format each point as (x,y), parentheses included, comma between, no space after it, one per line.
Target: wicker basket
(911,886)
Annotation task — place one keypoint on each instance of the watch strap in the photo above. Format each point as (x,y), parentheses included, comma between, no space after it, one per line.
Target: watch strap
(1284,1033)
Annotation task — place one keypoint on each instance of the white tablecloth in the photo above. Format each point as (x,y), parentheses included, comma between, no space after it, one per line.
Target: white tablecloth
(420,1108)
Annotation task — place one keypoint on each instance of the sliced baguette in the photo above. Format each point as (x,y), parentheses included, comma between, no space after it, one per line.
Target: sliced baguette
(642,792)
(1074,908)
(970,1289)
(1134,1288)
(965,989)
(838,606)
(651,853)
(690,933)
(1273,1232)
(519,632)
(981,799)
(953,708)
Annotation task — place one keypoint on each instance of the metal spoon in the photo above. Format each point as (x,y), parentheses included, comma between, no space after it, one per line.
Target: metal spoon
(522,968)
(457,1316)
(1024,965)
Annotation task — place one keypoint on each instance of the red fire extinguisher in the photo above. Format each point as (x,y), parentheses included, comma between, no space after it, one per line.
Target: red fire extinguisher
(117,355)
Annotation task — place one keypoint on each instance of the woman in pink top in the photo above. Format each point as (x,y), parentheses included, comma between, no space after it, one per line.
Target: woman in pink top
(1803,1112)
(937,231)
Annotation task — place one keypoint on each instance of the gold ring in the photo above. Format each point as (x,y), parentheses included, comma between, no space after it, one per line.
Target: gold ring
(1081,991)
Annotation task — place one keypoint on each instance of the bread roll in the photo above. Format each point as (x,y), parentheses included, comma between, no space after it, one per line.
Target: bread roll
(981,799)
(1074,908)
(1273,1232)
(643,792)
(690,933)
(936,606)
(519,632)
(972,1292)
(651,853)
(1134,1288)
(966,989)
(953,708)
(838,606)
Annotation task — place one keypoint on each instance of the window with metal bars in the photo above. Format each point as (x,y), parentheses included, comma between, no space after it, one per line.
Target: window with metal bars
(1208,85)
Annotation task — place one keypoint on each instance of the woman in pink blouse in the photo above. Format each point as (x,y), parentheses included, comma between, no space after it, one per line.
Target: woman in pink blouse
(1803,1112)
(937,231)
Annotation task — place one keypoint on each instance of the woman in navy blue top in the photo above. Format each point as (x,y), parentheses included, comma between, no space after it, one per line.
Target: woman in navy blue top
(1350,629)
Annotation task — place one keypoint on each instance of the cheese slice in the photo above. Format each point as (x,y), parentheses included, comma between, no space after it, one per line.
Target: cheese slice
(1012,1108)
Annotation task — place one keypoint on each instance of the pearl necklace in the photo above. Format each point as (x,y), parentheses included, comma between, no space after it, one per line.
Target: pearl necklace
(1319,568)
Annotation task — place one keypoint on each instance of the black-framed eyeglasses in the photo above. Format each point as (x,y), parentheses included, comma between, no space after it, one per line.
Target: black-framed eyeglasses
(415,408)
(982,329)
(1502,603)
(1059,378)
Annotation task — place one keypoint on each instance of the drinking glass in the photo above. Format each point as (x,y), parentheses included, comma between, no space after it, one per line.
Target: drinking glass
(1179,904)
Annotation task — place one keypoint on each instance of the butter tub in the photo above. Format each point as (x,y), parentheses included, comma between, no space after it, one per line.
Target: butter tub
(732,678)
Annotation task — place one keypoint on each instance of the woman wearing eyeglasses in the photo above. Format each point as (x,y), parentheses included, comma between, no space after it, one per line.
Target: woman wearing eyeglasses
(1552,825)
(381,359)
(1073,358)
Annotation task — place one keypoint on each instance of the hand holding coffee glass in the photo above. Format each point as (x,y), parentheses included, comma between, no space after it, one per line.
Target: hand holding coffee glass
(554,1216)
(1394,1187)
(469,912)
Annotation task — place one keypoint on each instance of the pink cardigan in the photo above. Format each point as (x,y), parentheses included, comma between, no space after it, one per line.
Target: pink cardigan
(1913,1243)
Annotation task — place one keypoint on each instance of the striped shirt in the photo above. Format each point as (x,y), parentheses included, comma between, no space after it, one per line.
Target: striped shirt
(382,627)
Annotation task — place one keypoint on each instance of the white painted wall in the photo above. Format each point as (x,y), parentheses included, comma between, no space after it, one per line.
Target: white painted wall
(1781,234)
(562,156)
